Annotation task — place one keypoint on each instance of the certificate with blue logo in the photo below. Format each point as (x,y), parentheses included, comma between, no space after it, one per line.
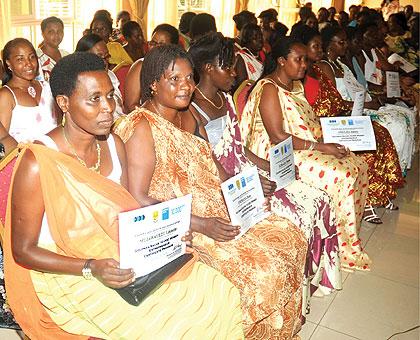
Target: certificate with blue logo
(356,133)
(150,237)
(282,163)
(244,199)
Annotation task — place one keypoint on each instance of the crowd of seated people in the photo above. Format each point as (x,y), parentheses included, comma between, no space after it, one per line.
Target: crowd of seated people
(122,123)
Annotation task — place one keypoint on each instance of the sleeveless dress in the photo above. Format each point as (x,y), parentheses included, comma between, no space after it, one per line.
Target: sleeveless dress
(26,124)
(398,120)
(254,67)
(384,170)
(345,180)
(82,209)
(29,122)
(266,263)
(306,206)
(46,64)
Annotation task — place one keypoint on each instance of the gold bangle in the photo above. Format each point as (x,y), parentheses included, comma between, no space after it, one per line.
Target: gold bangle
(304,145)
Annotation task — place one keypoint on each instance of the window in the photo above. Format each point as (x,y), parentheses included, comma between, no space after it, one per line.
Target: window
(26,17)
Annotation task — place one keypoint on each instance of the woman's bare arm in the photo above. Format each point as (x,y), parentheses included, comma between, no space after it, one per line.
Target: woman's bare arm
(132,88)
(271,114)
(6,108)
(27,214)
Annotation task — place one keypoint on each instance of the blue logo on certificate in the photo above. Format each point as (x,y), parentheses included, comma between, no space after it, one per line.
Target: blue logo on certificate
(165,214)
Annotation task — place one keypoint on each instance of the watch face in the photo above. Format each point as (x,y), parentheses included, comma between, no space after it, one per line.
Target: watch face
(2,151)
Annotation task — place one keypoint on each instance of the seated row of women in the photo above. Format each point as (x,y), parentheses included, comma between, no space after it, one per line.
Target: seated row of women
(64,205)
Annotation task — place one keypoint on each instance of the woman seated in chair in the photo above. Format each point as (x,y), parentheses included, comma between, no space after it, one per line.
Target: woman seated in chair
(277,109)
(212,116)
(26,105)
(163,34)
(322,82)
(93,43)
(267,262)
(61,242)
(250,58)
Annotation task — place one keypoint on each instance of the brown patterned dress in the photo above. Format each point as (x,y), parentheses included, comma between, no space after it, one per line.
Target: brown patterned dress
(266,264)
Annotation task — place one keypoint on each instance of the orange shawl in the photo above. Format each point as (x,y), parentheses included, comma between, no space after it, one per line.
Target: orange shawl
(82,211)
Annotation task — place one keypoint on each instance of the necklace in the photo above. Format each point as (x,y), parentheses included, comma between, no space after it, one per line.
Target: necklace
(30,89)
(177,115)
(336,64)
(73,151)
(220,97)
(284,85)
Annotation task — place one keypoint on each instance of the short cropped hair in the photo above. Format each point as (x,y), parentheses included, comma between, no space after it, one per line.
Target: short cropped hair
(155,63)
(201,24)
(171,30)
(64,75)
(185,21)
(305,34)
(243,18)
(248,32)
(87,42)
(51,20)
(105,20)
(121,14)
(129,27)
(328,33)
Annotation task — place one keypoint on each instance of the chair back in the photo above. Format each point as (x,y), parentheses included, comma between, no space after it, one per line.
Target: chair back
(121,71)
(240,96)
(6,171)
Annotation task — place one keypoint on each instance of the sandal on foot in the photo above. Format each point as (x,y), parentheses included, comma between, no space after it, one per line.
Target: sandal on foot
(371,217)
(391,205)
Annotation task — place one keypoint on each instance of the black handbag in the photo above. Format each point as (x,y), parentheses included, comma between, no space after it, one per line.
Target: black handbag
(143,286)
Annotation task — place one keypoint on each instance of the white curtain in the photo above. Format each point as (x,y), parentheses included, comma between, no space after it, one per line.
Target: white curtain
(5,22)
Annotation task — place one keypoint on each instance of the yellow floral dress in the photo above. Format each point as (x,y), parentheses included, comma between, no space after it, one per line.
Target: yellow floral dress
(266,263)
(345,180)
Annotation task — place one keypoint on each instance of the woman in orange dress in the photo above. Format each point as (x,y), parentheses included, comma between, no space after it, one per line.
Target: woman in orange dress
(277,109)
(267,262)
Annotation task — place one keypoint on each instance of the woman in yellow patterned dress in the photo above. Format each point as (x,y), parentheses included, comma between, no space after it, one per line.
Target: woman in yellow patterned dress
(62,222)
(267,262)
(276,109)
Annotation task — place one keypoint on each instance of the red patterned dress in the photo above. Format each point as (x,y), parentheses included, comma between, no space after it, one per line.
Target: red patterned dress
(384,170)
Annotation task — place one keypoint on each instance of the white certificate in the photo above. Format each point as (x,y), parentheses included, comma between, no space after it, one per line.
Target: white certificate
(282,163)
(356,133)
(393,88)
(406,65)
(244,199)
(150,237)
(358,103)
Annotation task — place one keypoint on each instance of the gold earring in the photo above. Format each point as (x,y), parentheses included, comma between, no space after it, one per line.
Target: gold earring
(63,120)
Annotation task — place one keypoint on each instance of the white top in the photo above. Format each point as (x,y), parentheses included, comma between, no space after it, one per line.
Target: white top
(117,95)
(46,64)
(372,73)
(115,175)
(254,67)
(30,122)
(214,128)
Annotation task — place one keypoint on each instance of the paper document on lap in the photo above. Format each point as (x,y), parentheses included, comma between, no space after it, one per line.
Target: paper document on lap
(150,237)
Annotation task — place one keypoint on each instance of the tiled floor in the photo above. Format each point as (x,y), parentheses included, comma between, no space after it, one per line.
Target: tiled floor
(378,304)
(385,301)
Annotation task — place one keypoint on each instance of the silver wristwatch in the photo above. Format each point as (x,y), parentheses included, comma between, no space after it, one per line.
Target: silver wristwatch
(86,270)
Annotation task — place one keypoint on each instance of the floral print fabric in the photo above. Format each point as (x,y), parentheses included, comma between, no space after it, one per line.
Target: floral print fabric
(304,205)
(266,264)
(345,180)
